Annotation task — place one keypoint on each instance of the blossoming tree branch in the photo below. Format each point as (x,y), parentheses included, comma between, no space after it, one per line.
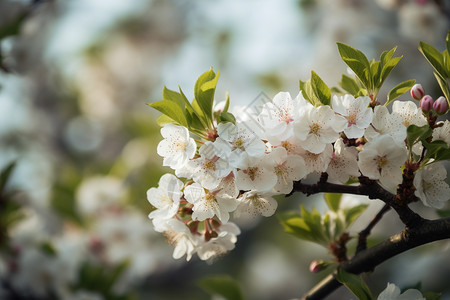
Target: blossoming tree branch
(341,140)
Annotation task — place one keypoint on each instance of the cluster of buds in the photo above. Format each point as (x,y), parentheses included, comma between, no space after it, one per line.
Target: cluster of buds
(427,104)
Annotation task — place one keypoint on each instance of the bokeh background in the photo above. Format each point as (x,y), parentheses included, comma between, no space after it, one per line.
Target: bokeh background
(74,80)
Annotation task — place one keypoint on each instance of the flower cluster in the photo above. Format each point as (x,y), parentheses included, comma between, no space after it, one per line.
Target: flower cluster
(241,165)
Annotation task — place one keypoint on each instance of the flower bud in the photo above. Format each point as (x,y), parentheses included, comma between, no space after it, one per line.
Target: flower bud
(318,265)
(426,103)
(417,91)
(440,106)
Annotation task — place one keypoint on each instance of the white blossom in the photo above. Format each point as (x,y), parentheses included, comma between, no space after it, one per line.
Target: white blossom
(208,205)
(256,174)
(392,292)
(385,123)
(235,142)
(287,168)
(220,245)
(409,113)
(442,133)
(343,164)
(227,187)
(356,111)
(165,198)
(179,235)
(430,185)
(317,127)
(381,159)
(277,117)
(209,168)
(254,203)
(317,162)
(176,147)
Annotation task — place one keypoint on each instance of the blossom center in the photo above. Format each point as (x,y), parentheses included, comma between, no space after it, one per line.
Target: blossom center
(351,119)
(381,162)
(251,172)
(314,128)
(210,165)
(238,144)
(180,146)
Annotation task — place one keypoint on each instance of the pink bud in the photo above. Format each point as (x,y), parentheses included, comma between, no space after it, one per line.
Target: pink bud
(440,106)
(417,91)
(317,266)
(426,103)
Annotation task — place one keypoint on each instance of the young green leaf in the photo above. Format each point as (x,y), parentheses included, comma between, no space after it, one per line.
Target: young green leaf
(447,41)
(444,86)
(353,213)
(227,117)
(399,90)
(333,200)
(170,109)
(173,96)
(204,92)
(355,284)
(414,134)
(321,90)
(349,84)
(434,57)
(227,102)
(5,175)
(438,150)
(387,68)
(223,285)
(358,62)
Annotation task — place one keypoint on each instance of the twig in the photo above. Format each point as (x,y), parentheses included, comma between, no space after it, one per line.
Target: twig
(363,234)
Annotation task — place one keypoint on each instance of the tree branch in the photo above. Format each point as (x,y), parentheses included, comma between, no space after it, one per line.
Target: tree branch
(368,259)
(368,188)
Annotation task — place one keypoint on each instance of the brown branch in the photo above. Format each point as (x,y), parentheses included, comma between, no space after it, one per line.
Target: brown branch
(368,188)
(367,260)
(363,234)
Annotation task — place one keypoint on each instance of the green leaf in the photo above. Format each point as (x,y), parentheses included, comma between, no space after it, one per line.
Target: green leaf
(170,109)
(355,284)
(358,62)
(387,69)
(414,134)
(194,117)
(333,200)
(204,93)
(5,175)
(163,120)
(173,96)
(438,150)
(314,222)
(353,213)
(13,27)
(447,41)
(432,295)
(222,285)
(308,93)
(399,90)
(48,249)
(227,117)
(434,57)
(227,102)
(444,86)
(321,90)
(443,213)
(349,84)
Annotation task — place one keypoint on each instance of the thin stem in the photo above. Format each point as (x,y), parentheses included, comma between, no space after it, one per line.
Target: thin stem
(363,234)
